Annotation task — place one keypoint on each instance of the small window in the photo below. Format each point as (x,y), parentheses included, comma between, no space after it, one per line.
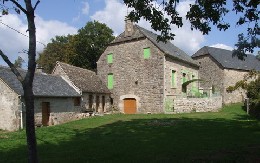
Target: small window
(77,101)
(110,81)
(173,81)
(147,53)
(110,58)
(184,78)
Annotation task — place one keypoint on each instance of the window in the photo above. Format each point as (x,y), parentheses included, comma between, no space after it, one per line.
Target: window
(184,79)
(110,81)
(77,101)
(173,81)
(147,53)
(110,58)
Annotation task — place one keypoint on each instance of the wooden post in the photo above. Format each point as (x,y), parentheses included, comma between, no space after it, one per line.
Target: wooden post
(247,105)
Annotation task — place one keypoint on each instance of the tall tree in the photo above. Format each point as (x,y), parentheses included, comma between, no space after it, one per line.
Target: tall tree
(82,50)
(202,15)
(61,48)
(18,63)
(27,81)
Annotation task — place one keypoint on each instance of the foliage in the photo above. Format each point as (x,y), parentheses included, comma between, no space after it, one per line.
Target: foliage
(191,137)
(82,50)
(18,63)
(202,15)
(250,83)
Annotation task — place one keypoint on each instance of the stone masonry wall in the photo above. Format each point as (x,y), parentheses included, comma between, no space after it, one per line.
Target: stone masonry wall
(230,79)
(135,76)
(211,73)
(179,68)
(61,109)
(188,105)
(9,108)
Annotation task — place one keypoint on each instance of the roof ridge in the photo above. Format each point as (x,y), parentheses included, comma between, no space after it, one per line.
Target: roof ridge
(76,67)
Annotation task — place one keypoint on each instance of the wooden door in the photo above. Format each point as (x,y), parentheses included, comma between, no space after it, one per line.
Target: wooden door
(45,113)
(129,106)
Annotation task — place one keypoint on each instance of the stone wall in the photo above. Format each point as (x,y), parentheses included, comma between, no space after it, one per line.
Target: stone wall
(179,68)
(61,109)
(230,79)
(211,73)
(96,107)
(134,75)
(9,108)
(188,105)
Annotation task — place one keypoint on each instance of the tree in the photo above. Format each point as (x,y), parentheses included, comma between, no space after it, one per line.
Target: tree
(202,15)
(27,81)
(61,48)
(82,50)
(18,63)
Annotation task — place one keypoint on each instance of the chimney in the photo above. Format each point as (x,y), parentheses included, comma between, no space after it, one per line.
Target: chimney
(39,69)
(129,27)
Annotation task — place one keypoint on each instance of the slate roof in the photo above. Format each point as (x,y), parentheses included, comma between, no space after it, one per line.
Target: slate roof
(226,60)
(168,48)
(43,85)
(84,79)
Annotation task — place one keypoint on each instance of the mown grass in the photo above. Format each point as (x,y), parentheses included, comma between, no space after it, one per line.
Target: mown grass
(227,136)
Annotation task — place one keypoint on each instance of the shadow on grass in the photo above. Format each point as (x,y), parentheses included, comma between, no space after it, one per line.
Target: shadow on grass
(150,140)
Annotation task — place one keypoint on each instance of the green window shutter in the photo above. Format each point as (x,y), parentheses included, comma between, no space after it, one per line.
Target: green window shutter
(110,81)
(110,58)
(147,53)
(173,78)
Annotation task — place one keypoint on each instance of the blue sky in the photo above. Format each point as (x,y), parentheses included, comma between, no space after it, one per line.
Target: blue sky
(59,17)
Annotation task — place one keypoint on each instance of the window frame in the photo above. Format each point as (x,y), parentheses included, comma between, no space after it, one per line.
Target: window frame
(110,58)
(110,81)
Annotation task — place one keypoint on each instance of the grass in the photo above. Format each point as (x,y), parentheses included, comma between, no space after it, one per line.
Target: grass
(227,136)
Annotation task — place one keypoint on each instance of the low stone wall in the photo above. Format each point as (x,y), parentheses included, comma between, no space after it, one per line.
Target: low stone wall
(59,118)
(188,105)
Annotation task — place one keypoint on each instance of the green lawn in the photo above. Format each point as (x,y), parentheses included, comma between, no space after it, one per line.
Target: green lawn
(229,136)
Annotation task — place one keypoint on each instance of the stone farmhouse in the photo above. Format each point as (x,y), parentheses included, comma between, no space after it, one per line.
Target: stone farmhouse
(55,100)
(220,70)
(143,74)
(95,96)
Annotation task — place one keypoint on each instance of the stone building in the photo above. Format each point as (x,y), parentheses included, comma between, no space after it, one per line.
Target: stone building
(143,74)
(95,95)
(55,100)
(219,70)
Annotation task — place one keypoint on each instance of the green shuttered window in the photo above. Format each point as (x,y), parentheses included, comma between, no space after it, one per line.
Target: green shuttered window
(110,58)
(147,53)
(110,81)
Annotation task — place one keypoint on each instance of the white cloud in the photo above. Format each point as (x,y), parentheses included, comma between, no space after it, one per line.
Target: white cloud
(13,42)
(222,46)
(85,9)
(114,14)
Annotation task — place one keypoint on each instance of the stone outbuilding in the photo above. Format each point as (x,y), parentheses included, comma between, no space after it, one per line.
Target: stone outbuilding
(219,70)
(55,100)
(144,75)
(95,95)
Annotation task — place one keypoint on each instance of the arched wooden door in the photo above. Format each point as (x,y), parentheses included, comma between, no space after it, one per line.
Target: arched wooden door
(130,106)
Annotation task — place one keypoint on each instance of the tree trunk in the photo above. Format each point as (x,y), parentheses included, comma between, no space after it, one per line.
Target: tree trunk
(30,128)
(28,85)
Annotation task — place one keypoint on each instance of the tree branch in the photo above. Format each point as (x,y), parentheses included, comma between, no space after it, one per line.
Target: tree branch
(36,5)
(11,65)
(19,6)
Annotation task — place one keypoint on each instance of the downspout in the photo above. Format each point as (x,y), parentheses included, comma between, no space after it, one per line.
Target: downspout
(21,112)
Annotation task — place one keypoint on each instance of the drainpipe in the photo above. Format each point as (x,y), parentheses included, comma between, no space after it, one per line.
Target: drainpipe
(21,112)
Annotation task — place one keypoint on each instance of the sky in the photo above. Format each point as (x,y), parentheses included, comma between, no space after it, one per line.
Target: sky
(60,17)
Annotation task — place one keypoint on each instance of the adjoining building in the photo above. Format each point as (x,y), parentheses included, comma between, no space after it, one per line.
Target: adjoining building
(220,69)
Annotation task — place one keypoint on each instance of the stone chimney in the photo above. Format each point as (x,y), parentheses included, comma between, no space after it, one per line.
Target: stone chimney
(39,69)
(129,27)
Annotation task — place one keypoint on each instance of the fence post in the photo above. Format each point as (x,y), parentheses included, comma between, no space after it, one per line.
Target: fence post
(247,105)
